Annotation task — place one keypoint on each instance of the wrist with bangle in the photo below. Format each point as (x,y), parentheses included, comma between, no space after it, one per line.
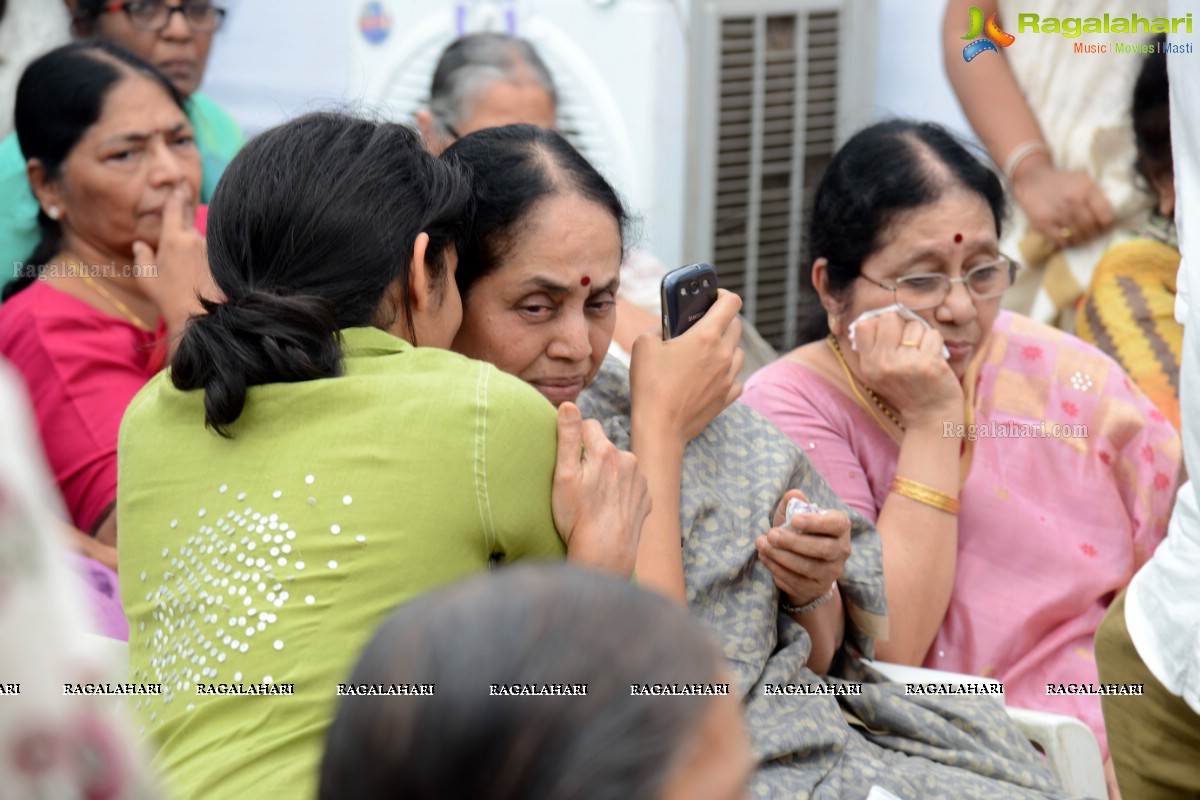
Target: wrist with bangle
(926,495)
(1020,153)
(811,605)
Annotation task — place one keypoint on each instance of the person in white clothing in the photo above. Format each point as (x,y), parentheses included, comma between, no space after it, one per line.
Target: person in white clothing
(1151,635)
(27,29)
(1057,122)
(62,734)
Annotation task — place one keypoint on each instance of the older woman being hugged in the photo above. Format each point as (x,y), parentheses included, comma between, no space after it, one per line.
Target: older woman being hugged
(304,467)
(1018,483)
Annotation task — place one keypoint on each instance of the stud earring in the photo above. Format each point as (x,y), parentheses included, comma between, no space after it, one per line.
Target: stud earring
(53,213)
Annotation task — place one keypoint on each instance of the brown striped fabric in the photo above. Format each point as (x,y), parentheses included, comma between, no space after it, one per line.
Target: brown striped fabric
(1129,313)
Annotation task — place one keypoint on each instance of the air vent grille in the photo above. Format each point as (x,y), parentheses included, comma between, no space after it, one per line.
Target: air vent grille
(777,112)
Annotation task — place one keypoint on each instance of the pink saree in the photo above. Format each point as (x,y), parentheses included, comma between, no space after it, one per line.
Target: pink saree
(1067,491)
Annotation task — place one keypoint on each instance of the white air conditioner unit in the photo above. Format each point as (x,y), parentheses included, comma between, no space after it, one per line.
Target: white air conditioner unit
(711,121)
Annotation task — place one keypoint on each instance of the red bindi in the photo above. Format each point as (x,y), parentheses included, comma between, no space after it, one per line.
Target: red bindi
(585,280)
(958,238)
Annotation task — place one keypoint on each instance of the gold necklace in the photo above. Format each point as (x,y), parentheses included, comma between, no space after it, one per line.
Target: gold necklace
(121,308)
(854,384)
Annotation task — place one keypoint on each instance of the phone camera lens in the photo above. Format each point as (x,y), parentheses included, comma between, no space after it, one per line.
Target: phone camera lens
(694,287)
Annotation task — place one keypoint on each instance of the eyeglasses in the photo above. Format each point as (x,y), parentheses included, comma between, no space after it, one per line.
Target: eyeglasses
(929,290)
(155,15)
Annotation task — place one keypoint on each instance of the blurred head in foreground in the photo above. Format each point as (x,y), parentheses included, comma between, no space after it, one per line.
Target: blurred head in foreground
(539,625)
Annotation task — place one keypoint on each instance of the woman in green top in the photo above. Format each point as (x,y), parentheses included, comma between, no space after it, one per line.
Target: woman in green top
(177,44)
(304,467)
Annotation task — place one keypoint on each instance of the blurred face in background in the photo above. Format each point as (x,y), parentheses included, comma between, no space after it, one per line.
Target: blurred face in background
(505,103)
(501,103)
(179,49)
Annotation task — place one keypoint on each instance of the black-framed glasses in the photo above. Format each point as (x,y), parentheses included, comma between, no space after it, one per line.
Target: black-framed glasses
(155,15)
(929,290)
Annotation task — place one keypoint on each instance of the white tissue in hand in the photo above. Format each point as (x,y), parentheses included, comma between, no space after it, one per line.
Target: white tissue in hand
(797,506)
(899,309)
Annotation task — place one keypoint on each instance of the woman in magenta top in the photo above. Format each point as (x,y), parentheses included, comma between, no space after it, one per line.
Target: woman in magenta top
(1016,485)
(112,162)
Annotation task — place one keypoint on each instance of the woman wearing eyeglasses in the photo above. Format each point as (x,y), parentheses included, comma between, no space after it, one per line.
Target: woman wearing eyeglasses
(1018,483)
(173,36)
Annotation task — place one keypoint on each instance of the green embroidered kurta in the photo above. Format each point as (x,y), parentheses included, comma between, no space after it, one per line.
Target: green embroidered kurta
(272,557)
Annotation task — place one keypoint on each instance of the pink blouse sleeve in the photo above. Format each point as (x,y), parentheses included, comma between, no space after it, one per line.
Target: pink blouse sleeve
(82,372)
(813,415)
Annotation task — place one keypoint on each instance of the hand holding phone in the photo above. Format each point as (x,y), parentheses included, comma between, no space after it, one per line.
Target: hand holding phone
(687,293)
(680,384)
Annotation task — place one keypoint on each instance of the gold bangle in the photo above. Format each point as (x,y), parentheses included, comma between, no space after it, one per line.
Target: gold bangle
(925,494)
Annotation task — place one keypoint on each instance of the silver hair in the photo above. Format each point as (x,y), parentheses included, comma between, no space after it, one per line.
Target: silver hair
(472,64)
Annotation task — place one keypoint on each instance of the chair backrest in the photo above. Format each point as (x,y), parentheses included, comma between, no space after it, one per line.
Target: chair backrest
(1070,746)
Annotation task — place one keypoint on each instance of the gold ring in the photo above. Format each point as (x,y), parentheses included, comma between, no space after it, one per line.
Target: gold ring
(1066,233)
(909,344)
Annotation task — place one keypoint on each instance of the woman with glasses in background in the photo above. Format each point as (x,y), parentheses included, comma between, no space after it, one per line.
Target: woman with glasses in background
(1018,481)
(175,37)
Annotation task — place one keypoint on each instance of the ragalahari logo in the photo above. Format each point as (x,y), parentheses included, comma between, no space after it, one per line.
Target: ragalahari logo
(992,35)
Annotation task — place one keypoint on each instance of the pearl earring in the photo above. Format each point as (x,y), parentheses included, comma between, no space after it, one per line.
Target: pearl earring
(53,213)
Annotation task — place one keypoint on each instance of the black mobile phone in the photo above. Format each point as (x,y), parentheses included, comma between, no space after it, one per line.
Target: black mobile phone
(687,293)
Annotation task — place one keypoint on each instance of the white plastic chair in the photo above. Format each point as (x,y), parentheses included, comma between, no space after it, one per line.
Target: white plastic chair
(1070,746)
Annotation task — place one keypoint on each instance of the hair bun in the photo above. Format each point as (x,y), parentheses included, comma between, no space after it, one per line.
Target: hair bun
(254,339)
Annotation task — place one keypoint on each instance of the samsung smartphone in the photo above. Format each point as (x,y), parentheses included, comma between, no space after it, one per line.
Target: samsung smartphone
(687,293)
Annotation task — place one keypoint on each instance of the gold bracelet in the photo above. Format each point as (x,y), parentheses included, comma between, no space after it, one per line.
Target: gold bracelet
(925,494)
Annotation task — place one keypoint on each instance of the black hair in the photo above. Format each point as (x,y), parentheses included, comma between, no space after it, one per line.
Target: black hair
(309,227)
(513,168)
(883,171)
(1151,113)
(542,624)
(86,13)
(59,97)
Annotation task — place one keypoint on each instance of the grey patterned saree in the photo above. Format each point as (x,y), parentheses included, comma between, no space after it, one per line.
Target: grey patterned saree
(816,746)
